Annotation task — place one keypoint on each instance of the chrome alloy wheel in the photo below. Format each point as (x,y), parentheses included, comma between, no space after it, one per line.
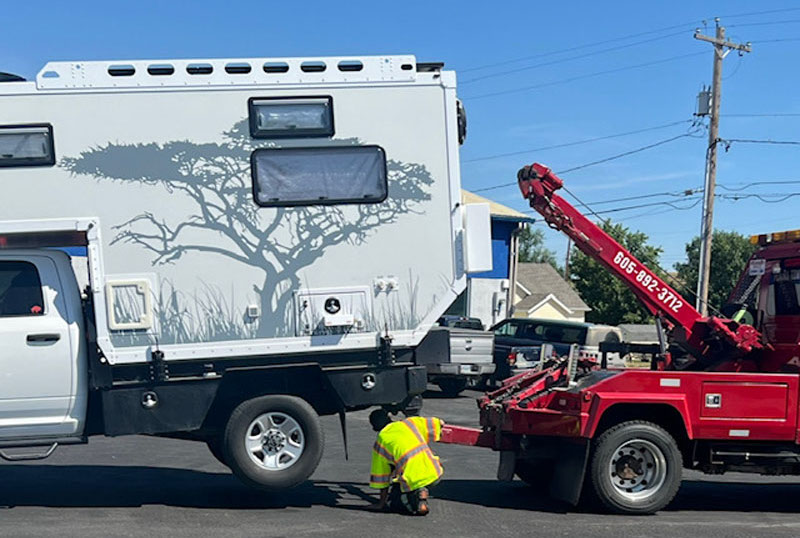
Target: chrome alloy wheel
(638,469)
(274,441)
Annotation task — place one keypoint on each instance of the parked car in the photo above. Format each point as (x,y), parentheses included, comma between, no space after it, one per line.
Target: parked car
(458,354)
(514,333)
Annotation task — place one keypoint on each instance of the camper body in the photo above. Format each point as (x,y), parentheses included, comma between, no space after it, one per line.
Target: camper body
(222,250)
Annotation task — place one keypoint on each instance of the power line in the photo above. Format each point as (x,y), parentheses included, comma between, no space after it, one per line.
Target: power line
(766,12)
(571,58)
(577,142)
(604,160)
(581,77)
(625,154)
(728,141)
(754,183)
(779,40)
(687,24)
(764,23)
(579,47)
(767,115)
(781,197)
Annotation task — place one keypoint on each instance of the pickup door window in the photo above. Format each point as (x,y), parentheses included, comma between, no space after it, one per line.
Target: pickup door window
(20,290)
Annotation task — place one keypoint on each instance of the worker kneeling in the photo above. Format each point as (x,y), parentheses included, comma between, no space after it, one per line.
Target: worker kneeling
(403,465)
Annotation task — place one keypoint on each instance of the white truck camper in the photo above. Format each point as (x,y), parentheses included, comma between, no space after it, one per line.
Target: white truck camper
(223,250)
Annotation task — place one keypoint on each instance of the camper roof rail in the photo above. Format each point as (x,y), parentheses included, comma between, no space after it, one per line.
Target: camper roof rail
(228,72)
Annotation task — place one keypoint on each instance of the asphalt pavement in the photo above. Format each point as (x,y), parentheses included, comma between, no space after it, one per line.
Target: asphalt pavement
(146,486)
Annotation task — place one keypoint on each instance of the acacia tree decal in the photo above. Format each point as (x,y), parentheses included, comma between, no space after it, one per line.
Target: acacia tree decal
(216,177)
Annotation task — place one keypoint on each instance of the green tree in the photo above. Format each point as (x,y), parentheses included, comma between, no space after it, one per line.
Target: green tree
(532,249)
(729,254)
(610,300)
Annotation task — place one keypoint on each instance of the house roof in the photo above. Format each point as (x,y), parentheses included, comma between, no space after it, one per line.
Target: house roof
(498,211)
(543,281)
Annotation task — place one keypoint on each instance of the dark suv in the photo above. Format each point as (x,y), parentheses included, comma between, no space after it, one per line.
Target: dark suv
(526,332)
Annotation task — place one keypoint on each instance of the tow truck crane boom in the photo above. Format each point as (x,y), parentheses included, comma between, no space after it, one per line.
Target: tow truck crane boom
(704,338)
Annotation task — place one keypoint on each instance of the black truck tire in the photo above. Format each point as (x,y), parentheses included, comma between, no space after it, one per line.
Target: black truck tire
(273,442)
(452,387)
(635,468)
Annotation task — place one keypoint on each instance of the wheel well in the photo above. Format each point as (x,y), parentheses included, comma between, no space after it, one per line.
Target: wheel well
(663,415)
(308,383)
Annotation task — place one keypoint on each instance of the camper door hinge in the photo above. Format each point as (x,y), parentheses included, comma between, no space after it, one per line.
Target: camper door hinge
(159,369)
(386,355)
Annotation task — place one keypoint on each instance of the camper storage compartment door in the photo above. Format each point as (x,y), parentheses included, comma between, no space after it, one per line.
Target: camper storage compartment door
(323,311)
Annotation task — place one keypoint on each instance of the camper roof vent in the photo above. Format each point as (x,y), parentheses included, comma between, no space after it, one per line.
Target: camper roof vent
(230,72)
(10,77)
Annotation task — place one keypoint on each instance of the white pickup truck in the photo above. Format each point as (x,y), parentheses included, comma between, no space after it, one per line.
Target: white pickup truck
(463,357)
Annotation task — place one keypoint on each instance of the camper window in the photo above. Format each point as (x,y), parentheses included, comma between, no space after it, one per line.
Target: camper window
(314,176)
(20,290)
(26,145)
(289,117)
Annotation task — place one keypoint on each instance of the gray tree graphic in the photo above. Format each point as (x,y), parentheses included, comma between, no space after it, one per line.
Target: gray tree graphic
(216,177)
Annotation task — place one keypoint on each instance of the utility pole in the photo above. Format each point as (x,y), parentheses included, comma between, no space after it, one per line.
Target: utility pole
(566,262)
(721,49)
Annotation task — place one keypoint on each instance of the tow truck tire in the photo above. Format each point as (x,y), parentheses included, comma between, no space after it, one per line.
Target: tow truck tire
(452,387)
(635,468)
(273,442)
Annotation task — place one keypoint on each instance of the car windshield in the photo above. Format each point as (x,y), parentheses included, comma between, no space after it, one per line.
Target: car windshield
(544,332)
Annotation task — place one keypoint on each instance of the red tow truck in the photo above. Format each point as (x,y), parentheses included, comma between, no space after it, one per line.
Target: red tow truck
(722,393)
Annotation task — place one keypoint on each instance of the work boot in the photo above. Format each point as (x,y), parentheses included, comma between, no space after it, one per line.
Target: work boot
(422,502)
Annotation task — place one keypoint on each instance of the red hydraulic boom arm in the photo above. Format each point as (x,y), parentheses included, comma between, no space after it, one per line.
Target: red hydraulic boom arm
(705,338)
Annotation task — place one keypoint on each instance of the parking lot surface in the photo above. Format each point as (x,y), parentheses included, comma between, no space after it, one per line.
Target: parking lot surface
(136,486)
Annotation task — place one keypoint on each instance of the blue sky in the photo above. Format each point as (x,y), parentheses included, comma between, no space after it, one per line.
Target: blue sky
(468,37)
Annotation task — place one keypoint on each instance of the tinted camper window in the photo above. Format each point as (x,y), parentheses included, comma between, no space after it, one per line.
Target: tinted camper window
(26,145)
(314,176)
(20,290)
(281,117)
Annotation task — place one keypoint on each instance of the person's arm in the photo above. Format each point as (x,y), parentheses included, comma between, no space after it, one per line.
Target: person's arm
(380,471)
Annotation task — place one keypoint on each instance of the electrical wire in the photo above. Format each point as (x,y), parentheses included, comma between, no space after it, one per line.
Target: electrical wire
(625,154)
(779,40)
(766,12)
(754,183)
(764,23)
(579,47)
(687,24)
(577,142)
(604,160)
(571,58)
(767,115)
(585,76)
(754,141)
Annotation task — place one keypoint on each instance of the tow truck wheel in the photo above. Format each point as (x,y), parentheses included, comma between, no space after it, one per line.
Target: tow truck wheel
(635,468)
(273,442)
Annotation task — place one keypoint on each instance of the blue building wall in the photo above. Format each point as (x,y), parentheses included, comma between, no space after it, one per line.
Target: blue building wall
(501,248)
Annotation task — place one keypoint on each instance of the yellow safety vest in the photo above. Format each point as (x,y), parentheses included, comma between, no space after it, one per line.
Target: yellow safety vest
(401,454)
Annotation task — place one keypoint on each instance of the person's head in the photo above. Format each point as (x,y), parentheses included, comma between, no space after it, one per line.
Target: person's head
(379,419)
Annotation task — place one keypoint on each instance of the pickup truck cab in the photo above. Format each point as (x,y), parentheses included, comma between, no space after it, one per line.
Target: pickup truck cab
(43,389)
